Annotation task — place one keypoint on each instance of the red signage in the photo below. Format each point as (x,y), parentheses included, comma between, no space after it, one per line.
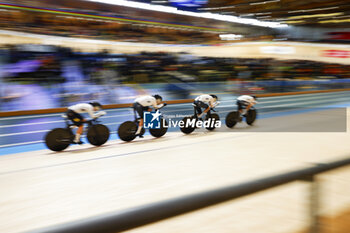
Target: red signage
(339,35)
(336,53)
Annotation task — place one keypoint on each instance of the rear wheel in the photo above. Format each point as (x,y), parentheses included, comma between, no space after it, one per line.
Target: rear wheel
(232,119)
(58,139)
(187,129)
(160,132)
(98,134)
(251,116)
(127,131)
(212,118)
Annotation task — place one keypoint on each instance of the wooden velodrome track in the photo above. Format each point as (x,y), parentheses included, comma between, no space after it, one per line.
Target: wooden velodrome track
(40,188)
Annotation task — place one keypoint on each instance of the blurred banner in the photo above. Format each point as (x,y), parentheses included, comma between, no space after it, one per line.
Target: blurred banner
(275,50)
(35,96)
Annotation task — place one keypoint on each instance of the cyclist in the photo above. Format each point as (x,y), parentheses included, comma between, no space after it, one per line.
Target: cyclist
(144,103)
(206,102)
(74,114)
(245,102)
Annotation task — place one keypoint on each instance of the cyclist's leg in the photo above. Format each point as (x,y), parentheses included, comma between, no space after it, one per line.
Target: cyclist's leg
(207,108)
(79,133)
(197,108)
(241,106)
(139,109)
(204,106)
(134,106)
(77,120)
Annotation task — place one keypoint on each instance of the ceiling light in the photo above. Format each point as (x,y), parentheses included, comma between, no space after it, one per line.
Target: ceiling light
(266,2)
(230,37)
(335,21)
(294,21)
(264,17)
(315,16)
(173,10)
(315,9)
(338,17)
(216,8)
(245,15)
(263,13)
(227,12)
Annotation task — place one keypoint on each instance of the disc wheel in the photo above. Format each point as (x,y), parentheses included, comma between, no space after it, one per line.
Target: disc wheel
(213,118)
(232,119)
(127,130)
(187,130)
(160,132)
(58,139)
(98,134)
(251,116)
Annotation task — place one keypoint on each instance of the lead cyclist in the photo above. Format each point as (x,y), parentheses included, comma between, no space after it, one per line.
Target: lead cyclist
(244,103)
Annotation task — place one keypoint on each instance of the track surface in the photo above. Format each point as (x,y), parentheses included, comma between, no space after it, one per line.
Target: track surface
(30,130)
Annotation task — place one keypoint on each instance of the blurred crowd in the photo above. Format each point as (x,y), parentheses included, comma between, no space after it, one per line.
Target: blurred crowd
(95,28)
(53,64)
(47,76)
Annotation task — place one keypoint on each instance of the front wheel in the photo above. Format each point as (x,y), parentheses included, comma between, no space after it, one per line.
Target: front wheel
(58,139)
(251,116)
(232,119)
(161,131)
(213,118)
(98,134)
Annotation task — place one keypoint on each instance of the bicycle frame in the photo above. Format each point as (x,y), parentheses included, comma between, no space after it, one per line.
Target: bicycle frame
(195,111)
(70,125)
(137,119)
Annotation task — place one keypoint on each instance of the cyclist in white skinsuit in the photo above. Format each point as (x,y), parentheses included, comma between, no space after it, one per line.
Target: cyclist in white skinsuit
(205,101)
(245,102)
(144,103)
(74,114)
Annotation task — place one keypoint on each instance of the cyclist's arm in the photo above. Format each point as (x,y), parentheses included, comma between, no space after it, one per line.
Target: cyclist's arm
(250,105)
(215,104)
(157,106)
(90,111)
(208,108)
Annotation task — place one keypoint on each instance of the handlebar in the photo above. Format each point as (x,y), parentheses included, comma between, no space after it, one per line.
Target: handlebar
(164,104)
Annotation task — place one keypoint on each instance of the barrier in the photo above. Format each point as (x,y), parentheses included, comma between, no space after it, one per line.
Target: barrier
(143,215)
